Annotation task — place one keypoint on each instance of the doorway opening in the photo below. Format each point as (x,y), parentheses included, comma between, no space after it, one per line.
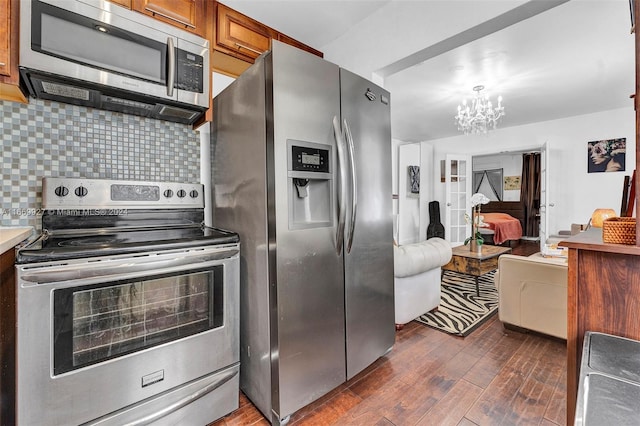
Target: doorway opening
(514,178)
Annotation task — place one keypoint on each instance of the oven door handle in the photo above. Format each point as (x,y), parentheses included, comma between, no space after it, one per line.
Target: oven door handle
(85,271)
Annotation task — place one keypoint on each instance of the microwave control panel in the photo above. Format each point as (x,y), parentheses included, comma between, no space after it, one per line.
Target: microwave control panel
(189,71)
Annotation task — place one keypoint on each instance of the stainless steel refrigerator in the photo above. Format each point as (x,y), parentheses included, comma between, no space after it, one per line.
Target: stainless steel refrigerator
(302,171)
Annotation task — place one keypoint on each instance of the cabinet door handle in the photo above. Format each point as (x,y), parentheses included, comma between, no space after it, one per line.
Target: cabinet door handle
(179,21)
(2,64)
(242,46)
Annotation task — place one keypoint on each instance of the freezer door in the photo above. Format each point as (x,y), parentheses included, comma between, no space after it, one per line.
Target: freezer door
(369,304)
(307,292)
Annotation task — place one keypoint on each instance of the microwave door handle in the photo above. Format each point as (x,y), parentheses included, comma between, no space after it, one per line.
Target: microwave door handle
(171,65)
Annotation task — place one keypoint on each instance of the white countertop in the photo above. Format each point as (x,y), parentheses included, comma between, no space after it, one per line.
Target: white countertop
(11,236)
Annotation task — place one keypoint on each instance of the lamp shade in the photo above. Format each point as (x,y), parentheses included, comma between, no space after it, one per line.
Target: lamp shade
(599,216)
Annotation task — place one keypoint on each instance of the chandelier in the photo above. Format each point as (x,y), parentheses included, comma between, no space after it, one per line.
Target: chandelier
(481,116)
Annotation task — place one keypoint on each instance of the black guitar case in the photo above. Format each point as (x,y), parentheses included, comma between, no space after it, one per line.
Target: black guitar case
(435,228)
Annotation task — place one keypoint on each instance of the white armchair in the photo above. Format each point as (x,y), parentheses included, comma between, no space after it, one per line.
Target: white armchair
(417,269)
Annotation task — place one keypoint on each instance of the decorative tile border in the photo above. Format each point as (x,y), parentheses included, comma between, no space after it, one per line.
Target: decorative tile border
(46,138)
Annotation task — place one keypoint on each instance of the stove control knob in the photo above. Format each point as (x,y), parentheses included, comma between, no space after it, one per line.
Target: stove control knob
(168,193)
(181,193)
(61,191)
(81,191)
(193,193)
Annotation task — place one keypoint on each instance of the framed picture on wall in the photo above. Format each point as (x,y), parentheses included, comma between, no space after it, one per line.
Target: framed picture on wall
(607,155)
(512,183)
(414,179)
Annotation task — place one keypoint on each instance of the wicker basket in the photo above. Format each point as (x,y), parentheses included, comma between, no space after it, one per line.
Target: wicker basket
(619,230)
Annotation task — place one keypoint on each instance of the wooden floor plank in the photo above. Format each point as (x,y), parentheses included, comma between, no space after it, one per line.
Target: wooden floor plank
(450,410)
(496,405)
(535,394)
(557,409)
(331,410)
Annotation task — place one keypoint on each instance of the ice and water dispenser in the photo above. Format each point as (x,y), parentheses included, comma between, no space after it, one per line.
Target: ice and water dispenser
(310,185)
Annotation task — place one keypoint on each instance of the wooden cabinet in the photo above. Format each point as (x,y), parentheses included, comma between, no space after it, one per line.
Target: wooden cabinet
(237,40)
(240,36)
(186,14)
(123,3)
(603,295)
(5,39)
(7,337)
(9,75)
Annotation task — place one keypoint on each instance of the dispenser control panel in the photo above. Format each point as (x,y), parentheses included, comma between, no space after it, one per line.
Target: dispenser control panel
(306,159)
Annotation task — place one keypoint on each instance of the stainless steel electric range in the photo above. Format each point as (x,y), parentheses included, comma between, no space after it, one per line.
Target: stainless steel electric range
(127,308)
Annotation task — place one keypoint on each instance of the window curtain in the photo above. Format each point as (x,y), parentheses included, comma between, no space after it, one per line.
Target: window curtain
(494,178)
(530,193)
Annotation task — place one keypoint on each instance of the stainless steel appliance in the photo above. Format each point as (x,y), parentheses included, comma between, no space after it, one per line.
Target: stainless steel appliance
(302,170)
(609,381)
(127,308)
(98,54)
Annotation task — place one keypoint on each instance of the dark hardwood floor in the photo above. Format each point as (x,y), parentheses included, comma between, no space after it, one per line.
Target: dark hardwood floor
(493,376)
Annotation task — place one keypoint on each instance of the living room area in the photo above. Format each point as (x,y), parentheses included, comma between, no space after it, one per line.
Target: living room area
(530,290)
(573,192)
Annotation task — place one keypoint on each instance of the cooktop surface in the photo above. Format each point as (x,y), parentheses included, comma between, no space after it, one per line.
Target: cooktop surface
(74,244)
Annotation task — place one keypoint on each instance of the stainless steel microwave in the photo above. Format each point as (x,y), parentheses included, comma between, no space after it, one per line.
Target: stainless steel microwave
(98,54)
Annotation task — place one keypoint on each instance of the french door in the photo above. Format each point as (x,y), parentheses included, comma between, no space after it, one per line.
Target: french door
(458,179)
(545,204)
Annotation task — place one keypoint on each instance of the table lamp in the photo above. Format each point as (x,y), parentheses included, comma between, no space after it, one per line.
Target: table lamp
(599,216)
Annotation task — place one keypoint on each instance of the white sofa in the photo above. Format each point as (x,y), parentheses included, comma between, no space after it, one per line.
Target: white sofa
(532,293)
(417,277)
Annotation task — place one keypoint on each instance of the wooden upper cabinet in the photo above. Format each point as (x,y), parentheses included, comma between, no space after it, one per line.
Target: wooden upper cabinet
(237,40)
(123,3)
(5,37)
(9,74)
(186,14)
(239,35)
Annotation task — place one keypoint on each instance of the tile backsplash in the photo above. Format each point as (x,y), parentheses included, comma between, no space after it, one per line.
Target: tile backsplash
(46,138)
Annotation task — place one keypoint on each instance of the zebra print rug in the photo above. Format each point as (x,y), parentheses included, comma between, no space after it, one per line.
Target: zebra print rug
(460,310)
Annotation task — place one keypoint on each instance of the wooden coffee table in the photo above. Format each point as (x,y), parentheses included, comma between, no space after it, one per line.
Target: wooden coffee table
(464,261)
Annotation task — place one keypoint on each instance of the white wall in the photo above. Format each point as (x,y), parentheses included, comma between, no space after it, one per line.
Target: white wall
(220,82)
(413,216)
(408,203)
(574,192)
(426,187)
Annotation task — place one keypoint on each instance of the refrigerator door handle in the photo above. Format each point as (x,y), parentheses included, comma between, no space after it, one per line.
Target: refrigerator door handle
(354,186)
(342,196)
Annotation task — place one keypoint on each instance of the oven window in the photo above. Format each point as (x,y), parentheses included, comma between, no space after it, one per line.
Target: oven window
(100,322)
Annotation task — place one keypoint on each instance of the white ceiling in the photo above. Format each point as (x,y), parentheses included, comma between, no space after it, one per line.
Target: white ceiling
(573,59)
